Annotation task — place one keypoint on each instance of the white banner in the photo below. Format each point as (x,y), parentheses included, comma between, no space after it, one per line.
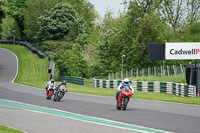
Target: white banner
(182,51)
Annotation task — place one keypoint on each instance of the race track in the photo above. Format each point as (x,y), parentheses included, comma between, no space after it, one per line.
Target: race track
(171,117)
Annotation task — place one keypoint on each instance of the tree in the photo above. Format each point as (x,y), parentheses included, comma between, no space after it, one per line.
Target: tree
(16,10)
(38,8)
(2,12)
(60,21)
(151,30)
(173,10)
(70,62)
(193,8)
(192,33)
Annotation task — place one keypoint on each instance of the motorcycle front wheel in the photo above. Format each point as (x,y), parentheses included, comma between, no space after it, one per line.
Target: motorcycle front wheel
(118,108)
(125,102)
(55,97)
(60,96)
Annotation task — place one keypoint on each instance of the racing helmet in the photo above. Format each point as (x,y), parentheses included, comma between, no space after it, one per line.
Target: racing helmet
(126,81)
(52,80)
(63,82)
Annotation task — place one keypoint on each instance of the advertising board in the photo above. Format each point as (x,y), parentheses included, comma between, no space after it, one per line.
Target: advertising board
(182,51)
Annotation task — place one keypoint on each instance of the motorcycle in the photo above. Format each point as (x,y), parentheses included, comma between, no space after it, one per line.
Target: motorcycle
(124,98)
(60,93)
(50,92)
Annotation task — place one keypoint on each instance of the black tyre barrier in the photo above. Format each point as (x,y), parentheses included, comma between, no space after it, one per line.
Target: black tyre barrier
(34,50)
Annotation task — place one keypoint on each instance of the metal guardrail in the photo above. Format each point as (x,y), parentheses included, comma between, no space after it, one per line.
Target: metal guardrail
(72,79)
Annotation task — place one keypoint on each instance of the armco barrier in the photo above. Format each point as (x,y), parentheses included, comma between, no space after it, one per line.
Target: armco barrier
(72,79)
(177,89)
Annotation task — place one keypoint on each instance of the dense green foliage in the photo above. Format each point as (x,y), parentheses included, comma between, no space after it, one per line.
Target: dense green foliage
(70,31)
(2,12)
(71,62)
(38,8)
(60,21)
(16,10)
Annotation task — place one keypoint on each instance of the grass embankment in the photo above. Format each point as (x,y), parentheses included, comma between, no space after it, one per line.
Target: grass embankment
(4,129)
(33,72)
(177,79)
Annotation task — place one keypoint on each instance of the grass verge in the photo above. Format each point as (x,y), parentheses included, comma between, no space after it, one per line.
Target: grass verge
(33,72)
(177,79)
(4,129)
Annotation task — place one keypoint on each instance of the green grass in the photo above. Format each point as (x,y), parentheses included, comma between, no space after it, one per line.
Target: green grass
(33,72)
(4,129)
(177,79)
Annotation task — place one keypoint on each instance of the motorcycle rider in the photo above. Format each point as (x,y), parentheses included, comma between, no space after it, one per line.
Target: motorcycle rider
(63,83)
(121,86)
(49,83)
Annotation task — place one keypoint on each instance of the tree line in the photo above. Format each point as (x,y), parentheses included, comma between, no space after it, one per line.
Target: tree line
(86,45)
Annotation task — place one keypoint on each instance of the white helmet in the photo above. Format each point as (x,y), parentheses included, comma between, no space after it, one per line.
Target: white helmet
(126,80)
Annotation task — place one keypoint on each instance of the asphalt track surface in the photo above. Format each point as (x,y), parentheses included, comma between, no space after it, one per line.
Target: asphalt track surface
(172,117)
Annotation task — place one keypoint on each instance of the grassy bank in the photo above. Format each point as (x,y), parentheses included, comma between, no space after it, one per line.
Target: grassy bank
(178,78)
(4,129)
(33,72)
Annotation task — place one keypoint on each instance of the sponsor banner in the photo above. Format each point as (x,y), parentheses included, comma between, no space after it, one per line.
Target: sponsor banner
(180,51)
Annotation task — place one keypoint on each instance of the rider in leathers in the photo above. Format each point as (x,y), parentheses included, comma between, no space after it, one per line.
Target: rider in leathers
(63,83)
(121,86)
(49,83)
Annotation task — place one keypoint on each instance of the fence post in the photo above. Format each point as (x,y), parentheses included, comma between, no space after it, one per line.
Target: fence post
(181,69)
(142,72)
(168,70)
(113,77)
(148,71)
(137,73)
(174,70)
(154,70)
(126,73)
(161,72)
